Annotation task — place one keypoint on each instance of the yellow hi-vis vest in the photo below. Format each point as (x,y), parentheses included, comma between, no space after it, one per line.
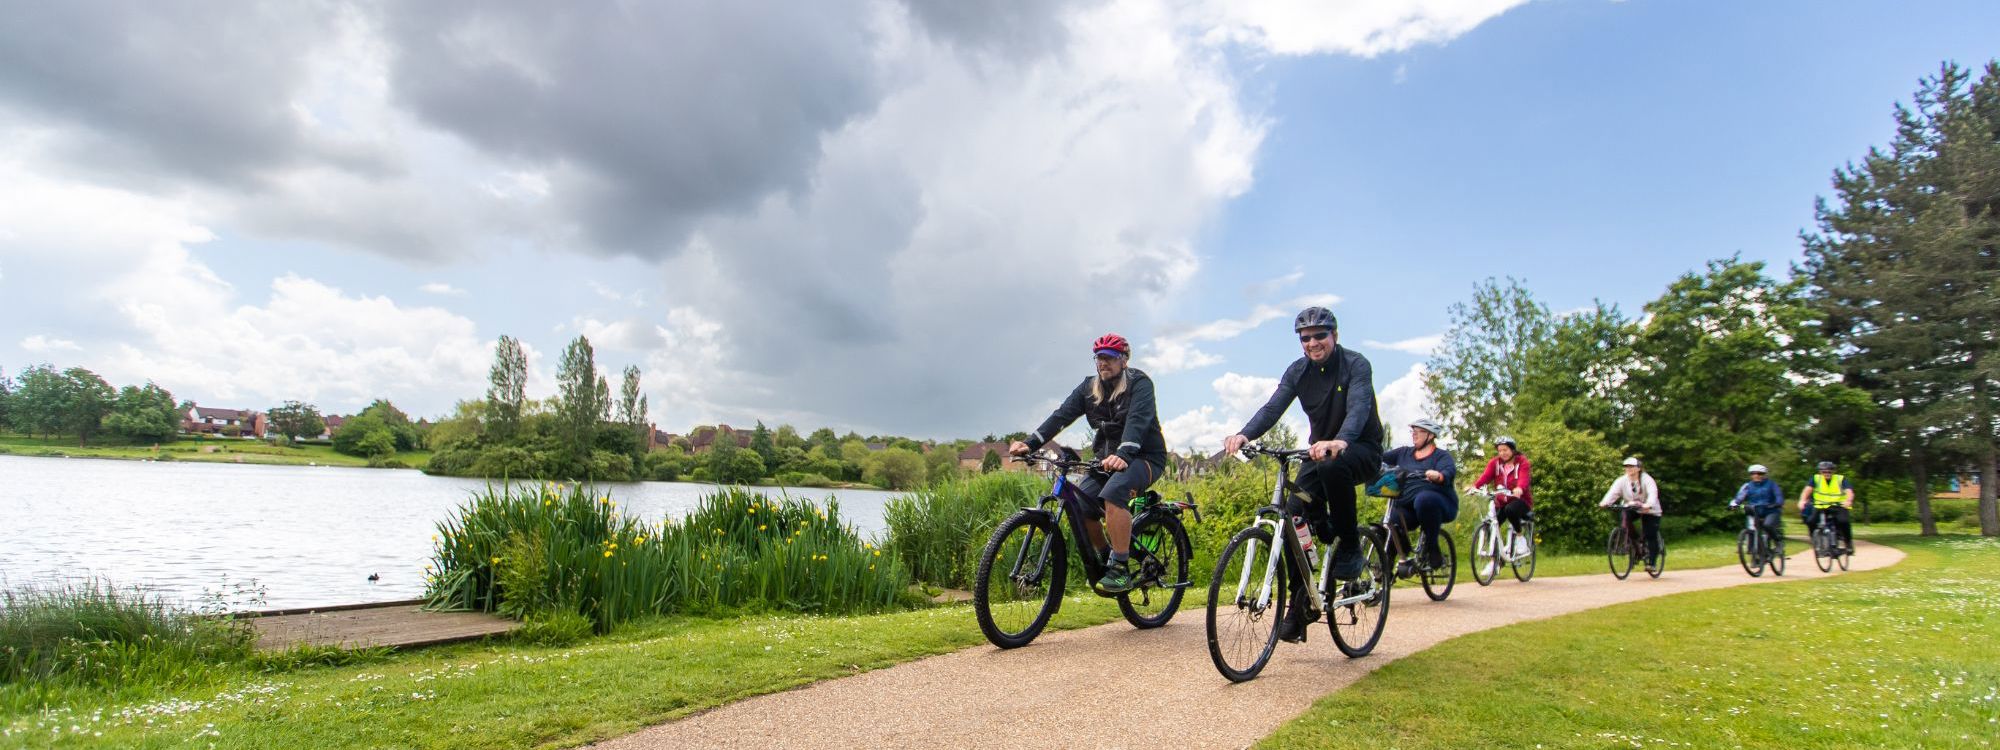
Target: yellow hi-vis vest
(1826,490)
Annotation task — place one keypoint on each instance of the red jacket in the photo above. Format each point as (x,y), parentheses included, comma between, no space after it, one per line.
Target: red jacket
(1516,480)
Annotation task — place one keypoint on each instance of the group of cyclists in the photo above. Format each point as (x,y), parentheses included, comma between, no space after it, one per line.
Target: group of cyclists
(1335,388)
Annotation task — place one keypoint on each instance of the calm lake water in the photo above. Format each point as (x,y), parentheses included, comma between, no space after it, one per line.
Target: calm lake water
(310,535)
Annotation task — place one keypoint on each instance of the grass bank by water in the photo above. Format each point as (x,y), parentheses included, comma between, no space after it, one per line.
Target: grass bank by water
(225,451)
(509,694)
(1901,657)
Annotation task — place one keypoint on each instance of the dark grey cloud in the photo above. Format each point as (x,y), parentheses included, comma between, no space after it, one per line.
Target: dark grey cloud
(1007,28)
(167,91)
(649,115)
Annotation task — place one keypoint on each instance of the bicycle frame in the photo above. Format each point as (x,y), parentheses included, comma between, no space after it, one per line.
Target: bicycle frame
(1068,500)
(1766,541)
(1274,518)
(1501,542)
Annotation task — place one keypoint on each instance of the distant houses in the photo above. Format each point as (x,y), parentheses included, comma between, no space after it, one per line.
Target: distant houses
(974,456)
(243,423)
(1963,485)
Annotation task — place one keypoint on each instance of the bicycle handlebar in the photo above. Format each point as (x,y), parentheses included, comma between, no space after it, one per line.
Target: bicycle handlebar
(1057,463)
(1259,449)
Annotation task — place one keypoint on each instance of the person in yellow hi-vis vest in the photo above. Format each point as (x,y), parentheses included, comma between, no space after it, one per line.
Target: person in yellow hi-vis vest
(1828,498)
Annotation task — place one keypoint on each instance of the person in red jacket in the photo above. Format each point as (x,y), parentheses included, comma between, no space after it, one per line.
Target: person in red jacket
(1507,471)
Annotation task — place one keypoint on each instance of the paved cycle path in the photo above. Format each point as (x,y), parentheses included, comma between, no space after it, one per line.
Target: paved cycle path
(1052,693)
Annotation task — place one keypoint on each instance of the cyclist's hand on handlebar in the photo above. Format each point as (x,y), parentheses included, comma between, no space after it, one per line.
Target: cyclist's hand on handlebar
(1233,443)
(1112,463)
(1326,449)
(1018,448)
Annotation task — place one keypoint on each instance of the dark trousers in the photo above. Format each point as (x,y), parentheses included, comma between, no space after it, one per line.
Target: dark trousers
(1328,506)
(1425,506)
(1514,512)
(1649,527)
(1772,518)
(1842,522)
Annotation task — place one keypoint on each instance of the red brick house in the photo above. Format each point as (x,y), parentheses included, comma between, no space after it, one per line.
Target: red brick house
(703,438)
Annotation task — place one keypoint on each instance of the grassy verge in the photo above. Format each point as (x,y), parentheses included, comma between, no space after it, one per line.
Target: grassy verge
(226,451)
(1900,657)
(508,695)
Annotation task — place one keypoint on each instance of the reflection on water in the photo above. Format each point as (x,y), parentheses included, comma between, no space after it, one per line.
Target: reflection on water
(311,535)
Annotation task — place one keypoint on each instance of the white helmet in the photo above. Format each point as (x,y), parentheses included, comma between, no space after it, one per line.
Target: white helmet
(1632,461)
(1759,469)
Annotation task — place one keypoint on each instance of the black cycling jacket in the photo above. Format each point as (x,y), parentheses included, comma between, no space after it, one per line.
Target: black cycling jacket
(1128,425)
(1338,397)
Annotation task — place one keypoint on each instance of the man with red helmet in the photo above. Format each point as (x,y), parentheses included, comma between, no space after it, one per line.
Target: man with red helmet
(1118,404)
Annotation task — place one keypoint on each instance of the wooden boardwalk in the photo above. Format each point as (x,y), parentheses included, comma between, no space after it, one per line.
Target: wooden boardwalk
(402,624)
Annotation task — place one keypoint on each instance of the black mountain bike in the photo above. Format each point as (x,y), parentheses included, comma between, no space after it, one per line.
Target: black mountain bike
(1627,547)
(1024,568)
(1827,549)
(1757,548)
(1247,597)
(1437,581)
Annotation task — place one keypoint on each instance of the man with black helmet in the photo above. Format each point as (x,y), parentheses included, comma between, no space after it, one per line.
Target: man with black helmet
(1828,498)
(1336,389)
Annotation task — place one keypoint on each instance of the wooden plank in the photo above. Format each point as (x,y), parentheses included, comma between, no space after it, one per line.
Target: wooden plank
(396,624)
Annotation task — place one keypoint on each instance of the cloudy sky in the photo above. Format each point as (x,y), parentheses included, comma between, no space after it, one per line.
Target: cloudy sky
(902,216)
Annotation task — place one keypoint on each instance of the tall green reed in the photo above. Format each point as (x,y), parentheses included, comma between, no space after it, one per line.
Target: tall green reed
(939,531)
(530,549)
(88,633)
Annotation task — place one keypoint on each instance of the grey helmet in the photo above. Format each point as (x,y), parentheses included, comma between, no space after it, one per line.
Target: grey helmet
(1507,441)
(1315,317)
(1428,425)
(1825,465)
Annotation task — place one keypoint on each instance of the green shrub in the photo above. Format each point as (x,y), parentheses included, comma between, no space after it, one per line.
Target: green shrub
(527,550)
(803,479)
(1572,468)
(88,632)
(938,531)
(554,629)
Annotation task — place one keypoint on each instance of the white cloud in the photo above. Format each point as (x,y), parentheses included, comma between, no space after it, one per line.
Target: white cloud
(1204,427)
(42,344)
(1421,345)
(1274,285)
(1401,402)
(1174,350)
(442,289)
(1365,28)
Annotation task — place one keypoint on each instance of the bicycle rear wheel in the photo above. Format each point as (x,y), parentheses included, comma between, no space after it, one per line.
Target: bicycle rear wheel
(1438,581)
(1527,536)
(1659,563)
(1618,552)
(1485,554)
(1162,574)
(1749,554)
(1357,626)
(1246,601)
(1021,577)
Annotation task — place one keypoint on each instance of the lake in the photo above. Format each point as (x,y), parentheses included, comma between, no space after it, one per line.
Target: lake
(309,535)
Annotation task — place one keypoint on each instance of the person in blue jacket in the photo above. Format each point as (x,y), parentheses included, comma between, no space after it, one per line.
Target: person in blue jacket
(1762,497)
(1427,476)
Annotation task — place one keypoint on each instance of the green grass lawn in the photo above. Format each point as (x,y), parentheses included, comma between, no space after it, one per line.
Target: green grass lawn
(508,695)
(226,451)
(1901,657)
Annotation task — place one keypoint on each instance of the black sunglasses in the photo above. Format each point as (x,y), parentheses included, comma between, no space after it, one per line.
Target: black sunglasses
(1305,337)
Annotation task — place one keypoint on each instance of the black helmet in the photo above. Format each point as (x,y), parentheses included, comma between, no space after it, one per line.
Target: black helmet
(1315,317)
(1825,465)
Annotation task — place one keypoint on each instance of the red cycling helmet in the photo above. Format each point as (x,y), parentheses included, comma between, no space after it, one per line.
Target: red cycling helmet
(1113,342)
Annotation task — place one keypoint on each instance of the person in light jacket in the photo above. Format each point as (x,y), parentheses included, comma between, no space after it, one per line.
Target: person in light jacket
(1639,496)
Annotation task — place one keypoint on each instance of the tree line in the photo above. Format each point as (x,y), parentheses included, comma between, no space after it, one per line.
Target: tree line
(586,431)
(1877,352)
(47,402)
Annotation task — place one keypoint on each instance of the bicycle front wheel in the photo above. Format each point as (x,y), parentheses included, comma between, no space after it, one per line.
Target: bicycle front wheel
(1246,601)
(1659,562)
(1527,536)
(1843,558)
(1748,554)
(1485,554)
(1618,552)
(1161,550)
(1821,547)
(1438,581)
(1020,583)
(1360,608)
(1776,546)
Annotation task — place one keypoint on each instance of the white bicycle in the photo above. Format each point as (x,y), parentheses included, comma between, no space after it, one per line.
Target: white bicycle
(1496,543)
